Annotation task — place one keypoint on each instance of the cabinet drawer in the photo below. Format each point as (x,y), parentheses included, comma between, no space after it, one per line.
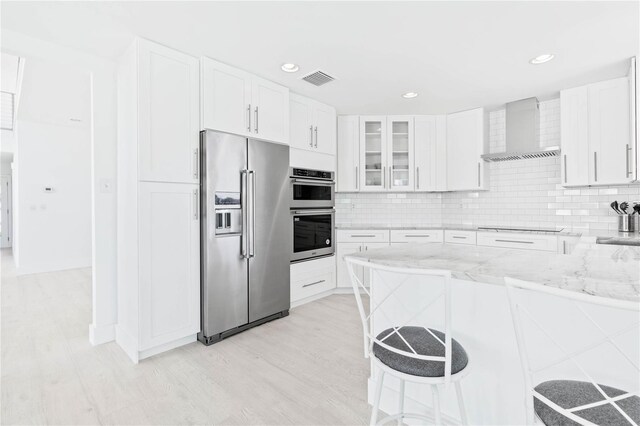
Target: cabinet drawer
(527,242)
(460,237)
(417,236)
(363,236)
(312,277)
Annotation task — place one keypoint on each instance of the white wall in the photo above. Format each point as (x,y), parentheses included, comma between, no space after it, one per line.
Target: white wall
(103,160)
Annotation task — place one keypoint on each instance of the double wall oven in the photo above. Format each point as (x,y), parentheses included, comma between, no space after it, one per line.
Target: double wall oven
(312,213)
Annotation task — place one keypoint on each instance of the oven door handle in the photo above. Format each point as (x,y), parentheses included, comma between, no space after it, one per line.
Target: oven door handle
(315,182)
(310,212)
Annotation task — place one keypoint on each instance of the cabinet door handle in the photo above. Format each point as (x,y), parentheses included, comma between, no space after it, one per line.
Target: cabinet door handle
(595,166)
(478,175)
(564,246)
(459,237)
(311,136)
(256,119)
(418,177)
(313,283)
(362,235)
(565,168)
(417,235)
(628,149)
(384,177)
(514,241)
(196,163)
(249,118)
(316,130)
(196,204)
(357,179)
(390,176)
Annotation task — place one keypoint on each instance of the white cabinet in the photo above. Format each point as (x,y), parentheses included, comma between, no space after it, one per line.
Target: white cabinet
(270,103)
(399,236)
(574,119)
(355,241)
(373,153)
(169,250)
(400,148)
(516,240)
(430,152)
(465,145)
(610,145)
(158,236)
(238,102)
(312,279)
(226,98)
(312,125)
(459,237)
(348,178)
(168,114)
(596,134)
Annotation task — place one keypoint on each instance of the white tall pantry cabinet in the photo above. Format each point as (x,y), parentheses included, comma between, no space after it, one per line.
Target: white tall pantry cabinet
(158,211)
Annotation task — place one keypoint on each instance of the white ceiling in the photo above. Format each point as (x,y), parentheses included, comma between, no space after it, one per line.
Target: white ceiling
(457,55)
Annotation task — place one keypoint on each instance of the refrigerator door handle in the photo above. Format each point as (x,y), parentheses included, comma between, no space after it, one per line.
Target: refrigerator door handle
(252,226)
(245,212)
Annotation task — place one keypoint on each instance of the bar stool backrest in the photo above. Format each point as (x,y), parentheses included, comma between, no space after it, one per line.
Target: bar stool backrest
(396,301)
(568,335)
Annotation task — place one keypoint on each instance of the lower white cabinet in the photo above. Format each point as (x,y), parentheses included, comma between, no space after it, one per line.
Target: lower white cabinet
(417,236)
(566,243)
(311,278)
(516,240)
(158,270)
(459,237)
(342,274)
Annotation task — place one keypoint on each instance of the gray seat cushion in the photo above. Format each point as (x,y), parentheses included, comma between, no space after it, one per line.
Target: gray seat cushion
(424,344)
(572,393)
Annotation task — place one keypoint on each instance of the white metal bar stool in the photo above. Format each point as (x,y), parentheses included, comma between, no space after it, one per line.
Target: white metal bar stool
(565,362)
(398,333)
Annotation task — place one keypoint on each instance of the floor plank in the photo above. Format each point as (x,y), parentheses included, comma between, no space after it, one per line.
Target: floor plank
(306,368)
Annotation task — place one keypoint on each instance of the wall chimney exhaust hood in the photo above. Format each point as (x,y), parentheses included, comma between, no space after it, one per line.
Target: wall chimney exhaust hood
(523,123)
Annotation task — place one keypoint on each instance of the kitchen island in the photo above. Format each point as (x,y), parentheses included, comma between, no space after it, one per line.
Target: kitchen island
(494,389)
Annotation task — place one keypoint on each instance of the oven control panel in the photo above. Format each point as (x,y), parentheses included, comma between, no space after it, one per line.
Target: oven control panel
(311,174)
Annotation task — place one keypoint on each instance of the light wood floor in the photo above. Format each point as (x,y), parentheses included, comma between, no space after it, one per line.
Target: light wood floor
(307,368)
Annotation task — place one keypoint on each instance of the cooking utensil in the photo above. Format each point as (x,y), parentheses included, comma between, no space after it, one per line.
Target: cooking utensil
(613,206)
(636,208)
(624,206)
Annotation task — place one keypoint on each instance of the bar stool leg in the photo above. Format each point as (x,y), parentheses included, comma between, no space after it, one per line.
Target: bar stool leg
(463,410)
(376,400)
(436,404)
(401,402)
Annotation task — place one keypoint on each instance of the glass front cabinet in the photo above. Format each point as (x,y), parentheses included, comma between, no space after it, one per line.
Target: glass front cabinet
(386,153)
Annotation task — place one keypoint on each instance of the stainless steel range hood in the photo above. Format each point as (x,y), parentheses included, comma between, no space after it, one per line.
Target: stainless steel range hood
(523,122)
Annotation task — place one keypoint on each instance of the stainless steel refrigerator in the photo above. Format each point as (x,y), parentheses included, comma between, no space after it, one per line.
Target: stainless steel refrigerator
(246,234)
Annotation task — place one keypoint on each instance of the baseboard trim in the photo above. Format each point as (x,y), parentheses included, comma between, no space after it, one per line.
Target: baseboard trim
(167,346)
(102,334)
(53,267)
(306,300)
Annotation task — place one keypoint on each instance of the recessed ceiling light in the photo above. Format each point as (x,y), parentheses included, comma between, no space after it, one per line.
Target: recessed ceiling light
(541,59)
(409,95)
(290,67)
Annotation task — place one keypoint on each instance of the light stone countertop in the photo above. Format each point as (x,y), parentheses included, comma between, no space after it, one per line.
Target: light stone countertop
(606,271)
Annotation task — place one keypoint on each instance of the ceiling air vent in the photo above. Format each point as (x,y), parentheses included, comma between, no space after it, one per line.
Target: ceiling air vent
(318,78)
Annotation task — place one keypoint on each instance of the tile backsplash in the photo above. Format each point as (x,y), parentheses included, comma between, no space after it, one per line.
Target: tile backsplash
(521,193)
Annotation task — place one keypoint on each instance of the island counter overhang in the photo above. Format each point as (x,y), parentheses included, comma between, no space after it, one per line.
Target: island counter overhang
(494,390)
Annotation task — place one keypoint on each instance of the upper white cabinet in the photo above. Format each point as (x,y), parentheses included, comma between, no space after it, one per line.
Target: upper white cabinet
(373,153)
(167,112)
(400,150)
(312,125)
(348,179)
(430,152)
(238,102)
(597,144)
(465,145)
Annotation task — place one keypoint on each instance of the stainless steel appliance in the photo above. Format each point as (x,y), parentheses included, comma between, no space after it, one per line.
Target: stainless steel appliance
(312,188)
(312,213)
(313,233)
(246,234)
